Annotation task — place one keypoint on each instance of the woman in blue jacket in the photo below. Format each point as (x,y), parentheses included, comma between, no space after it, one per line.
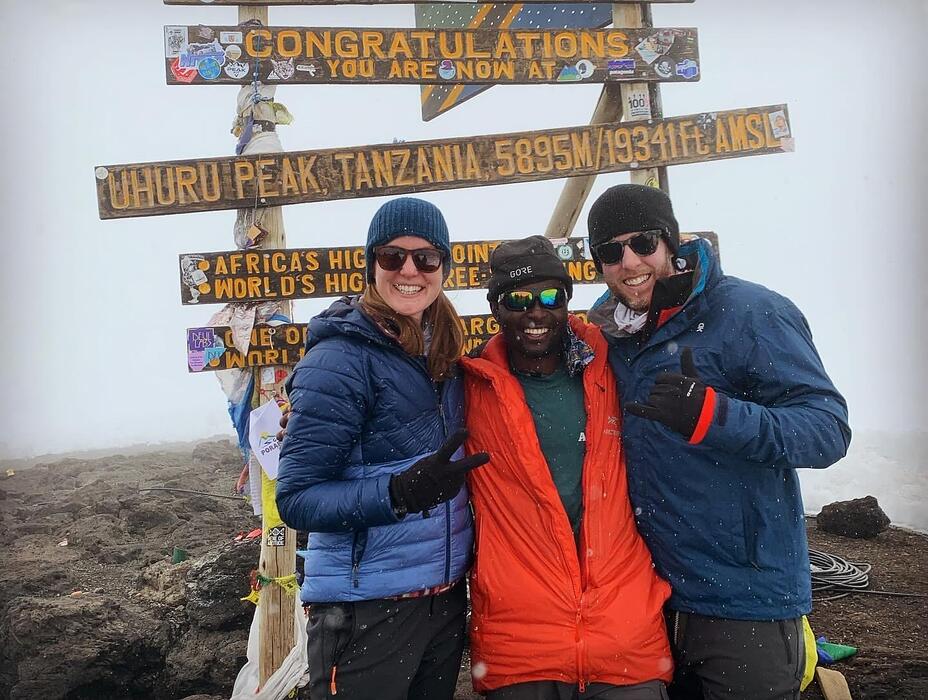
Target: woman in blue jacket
(371,467)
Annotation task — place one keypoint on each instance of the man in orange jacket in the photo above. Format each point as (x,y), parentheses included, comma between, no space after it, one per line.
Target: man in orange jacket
(566,603)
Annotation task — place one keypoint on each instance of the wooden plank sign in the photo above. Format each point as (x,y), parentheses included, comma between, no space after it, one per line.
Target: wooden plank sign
(317,273)
(314,273)
(210,348)
(201,55)
(176,187)
(264,3)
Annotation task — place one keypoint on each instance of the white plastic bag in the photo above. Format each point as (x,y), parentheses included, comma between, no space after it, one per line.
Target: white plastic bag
(291,674)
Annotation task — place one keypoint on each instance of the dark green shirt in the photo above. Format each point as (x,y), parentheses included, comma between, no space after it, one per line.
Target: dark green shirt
(557,405)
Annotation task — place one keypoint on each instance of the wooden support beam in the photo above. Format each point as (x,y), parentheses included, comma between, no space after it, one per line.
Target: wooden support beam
(278,542)
(629,100)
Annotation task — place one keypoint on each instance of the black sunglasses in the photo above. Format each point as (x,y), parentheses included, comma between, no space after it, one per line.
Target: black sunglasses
(642,244)
(523,300)
(391,258)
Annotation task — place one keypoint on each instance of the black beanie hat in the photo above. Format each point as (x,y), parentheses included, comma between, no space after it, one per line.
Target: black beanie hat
(516,263)
(626,208)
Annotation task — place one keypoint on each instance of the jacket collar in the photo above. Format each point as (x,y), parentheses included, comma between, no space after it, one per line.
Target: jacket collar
(698,270)
(585,345)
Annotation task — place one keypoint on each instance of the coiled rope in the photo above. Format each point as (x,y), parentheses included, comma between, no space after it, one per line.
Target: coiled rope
(839,577)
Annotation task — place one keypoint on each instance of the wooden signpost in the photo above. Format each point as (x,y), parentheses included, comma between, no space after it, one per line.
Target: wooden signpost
(259,3)
(218,55)
(501,44)
(176,187)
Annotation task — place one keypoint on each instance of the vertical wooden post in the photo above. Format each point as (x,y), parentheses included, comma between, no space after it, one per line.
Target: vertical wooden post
(634,101)
(641,101)
(275,606)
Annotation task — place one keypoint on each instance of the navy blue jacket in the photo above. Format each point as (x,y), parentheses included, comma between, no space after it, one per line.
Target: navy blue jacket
(723,518)
(363,409)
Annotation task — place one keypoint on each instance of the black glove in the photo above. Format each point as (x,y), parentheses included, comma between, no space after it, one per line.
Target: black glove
(680,401)
(433,479)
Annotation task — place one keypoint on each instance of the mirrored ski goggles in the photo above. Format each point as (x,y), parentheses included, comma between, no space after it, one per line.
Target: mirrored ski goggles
(523,300)
(642,244)
(391,258)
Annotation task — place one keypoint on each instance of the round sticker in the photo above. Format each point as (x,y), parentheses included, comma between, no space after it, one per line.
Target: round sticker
(236,69)
(209,68)
(585,68)
(664,67)
(233,52)
(101,173)
(446,69)
(565,252)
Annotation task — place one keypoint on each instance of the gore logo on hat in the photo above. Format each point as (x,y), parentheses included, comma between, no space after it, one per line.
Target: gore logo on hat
(519,271)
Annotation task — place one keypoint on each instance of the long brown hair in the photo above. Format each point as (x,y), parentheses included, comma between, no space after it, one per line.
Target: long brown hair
(447,344)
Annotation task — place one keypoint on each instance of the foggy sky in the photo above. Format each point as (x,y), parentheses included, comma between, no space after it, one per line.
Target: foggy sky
(94,353)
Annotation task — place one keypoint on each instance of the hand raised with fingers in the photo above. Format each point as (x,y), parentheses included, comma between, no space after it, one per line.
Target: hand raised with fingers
(434,479)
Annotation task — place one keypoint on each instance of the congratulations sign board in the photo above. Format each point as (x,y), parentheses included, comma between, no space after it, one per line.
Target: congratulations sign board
(201,55)
(175,187)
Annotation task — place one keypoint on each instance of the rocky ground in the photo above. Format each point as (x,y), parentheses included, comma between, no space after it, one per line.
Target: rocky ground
(92,608)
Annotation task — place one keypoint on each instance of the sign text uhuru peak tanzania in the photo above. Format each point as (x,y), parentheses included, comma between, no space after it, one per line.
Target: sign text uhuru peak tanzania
(174,187)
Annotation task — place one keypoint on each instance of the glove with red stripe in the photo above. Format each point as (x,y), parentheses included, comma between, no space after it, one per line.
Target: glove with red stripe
(680,401)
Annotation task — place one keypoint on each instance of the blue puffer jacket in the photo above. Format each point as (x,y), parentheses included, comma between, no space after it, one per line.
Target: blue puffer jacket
(362,410)
(723,518)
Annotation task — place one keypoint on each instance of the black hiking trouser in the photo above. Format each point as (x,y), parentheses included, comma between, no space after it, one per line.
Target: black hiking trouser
(720,659)
(407,649)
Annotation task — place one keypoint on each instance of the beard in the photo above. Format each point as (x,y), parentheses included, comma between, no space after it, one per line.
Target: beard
(640,301)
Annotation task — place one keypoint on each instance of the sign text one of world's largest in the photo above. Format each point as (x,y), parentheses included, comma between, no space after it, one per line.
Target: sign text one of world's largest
(214,55)
(175,187)
(211,348)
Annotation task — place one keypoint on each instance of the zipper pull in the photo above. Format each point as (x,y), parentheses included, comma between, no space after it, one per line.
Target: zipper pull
(333,690)
(581,687)
(356,580)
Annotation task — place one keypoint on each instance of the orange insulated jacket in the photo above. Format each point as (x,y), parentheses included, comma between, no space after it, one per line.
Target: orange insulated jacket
(541,609)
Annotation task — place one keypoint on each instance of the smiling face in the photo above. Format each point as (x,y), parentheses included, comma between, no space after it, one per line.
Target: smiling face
(632,279)
(409,291)
(535,337)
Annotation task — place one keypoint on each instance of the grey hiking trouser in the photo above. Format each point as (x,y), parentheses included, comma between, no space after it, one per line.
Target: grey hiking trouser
(721,659)
(406,649)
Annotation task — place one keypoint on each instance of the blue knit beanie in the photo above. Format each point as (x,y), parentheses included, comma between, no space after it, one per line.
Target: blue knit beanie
(407,216)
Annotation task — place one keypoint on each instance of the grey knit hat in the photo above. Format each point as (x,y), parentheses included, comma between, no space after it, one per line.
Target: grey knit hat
(407,216)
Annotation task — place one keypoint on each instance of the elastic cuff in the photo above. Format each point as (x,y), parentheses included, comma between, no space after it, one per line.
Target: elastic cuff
(705,417)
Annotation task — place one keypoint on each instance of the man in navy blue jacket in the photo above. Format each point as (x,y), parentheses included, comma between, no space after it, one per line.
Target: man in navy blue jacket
(725,397)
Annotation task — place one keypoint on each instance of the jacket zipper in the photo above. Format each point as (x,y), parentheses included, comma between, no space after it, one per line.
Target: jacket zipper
(444,431)
(356,561)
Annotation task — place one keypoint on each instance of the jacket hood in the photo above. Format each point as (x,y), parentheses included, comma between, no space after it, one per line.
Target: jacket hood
(345,317)
(696,257)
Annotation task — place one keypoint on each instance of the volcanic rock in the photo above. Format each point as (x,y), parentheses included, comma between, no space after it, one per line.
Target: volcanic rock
(860,518)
